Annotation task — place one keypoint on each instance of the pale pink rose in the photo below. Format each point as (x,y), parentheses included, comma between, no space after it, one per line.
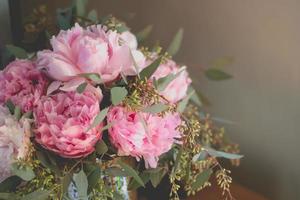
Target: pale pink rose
(22,83)
(62,122)
(176,89)
(91,50)
(14,141)
(149,140)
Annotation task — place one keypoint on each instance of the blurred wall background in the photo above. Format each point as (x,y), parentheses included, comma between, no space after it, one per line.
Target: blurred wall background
(263,99)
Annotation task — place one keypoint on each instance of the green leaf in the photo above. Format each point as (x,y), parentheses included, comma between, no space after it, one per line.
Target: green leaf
(143,34)
(99,118)
(81,183)
(66,180)
(163,82)
(195,98)
(17,112)
(10,184)
(118,94)
(101,147)
(133,184)
(17,51)
(93,77)
(201,179)
(222,154)
(37,195)
(93,15)
(107,126)
(64,18)
(131,172)
(177,160)
(221,62)
(150,69)
(47,161)
(156,176)
(94,177)
(115,171)
(156,108)
(28,114)
(80,89)
(80,7)
(183,103)
(11,106)
(24,172)
(9,196)
(217,74)
(176,43)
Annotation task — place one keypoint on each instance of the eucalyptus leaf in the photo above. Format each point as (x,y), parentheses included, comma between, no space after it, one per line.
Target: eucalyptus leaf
(156,108)
(176,43)
(150,69)
(134,174)
(115,171)
(118,94)
(107,126)
(222,154)
(80,89)
(93,16)
(195,98)
(93,77)
(163,82)
(11,106)
(66,180)
(217,74)
(37,195)
(221,62)
(17,112)
(18,52)
(101,147)
(183,103)
(133,184)
(10,184)
(143,34)
(9,196)
(81,183)
(80,7)
(64,18)
(46,162)
(94,177)
(201,179)
(157,176)
(24,172)
(177,159)
(99,118)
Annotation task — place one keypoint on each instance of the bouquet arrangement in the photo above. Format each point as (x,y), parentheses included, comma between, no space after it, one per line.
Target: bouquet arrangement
(96,116)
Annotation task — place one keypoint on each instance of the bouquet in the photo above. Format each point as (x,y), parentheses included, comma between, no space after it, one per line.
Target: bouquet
(96,116)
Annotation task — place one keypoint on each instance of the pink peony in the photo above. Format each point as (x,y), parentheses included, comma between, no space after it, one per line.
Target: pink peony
(14,141)
(63,119)
(177,89)
(90,50)
(149,140)
(22,83)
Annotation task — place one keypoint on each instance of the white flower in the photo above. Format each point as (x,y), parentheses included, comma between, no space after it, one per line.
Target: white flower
(14,141)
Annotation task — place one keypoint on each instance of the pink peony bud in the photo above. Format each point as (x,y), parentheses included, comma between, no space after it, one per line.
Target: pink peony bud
(176,89)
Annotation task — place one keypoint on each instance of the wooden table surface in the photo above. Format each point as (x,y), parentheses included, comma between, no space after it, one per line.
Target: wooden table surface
(238,192)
